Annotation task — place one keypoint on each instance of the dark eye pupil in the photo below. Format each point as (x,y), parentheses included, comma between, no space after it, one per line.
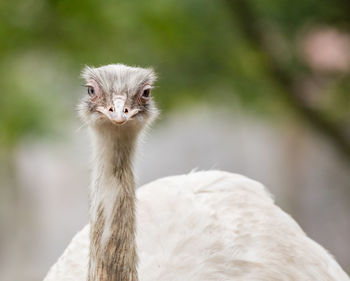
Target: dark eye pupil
(146,93)
(91,91)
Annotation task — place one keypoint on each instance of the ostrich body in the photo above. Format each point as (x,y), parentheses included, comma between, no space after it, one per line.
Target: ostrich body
(201,226)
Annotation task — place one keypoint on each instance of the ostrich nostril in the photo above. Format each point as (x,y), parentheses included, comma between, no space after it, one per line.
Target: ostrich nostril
(111,109)
(126,110)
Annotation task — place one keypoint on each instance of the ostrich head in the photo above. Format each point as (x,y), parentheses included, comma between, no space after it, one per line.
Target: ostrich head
(118,97)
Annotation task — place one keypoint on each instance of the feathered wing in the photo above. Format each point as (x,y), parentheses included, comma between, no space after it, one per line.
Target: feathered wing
(212,226)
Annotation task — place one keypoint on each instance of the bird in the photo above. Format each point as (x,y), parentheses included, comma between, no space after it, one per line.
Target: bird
(204,225)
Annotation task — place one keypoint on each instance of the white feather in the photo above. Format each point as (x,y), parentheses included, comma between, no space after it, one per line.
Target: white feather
(211,226)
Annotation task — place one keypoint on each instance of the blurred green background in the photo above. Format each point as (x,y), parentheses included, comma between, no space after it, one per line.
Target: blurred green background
(283,64)
(205,51)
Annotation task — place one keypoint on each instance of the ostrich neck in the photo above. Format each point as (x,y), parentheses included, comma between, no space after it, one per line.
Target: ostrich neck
(112,209)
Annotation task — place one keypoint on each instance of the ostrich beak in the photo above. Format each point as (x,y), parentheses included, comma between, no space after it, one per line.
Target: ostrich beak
(116,112)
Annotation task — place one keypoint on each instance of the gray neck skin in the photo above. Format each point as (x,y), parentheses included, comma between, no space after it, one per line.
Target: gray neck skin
(112,208)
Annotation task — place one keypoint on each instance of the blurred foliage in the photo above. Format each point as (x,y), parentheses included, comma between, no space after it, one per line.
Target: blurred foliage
(198,47)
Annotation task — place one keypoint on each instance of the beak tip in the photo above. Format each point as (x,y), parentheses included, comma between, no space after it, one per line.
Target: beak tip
(119,121)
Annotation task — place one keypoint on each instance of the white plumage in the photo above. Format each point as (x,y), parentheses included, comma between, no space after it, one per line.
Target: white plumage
(211,226)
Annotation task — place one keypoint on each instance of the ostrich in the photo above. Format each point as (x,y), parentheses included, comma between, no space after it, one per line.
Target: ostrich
(209,225)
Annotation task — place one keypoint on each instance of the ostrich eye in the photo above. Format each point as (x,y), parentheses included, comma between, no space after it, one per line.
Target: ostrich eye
(91,91)
(146,93)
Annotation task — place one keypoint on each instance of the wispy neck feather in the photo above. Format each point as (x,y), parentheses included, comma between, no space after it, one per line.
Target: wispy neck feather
(112,208)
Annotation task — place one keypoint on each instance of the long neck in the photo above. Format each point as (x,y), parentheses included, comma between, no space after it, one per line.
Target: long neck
(112,209)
